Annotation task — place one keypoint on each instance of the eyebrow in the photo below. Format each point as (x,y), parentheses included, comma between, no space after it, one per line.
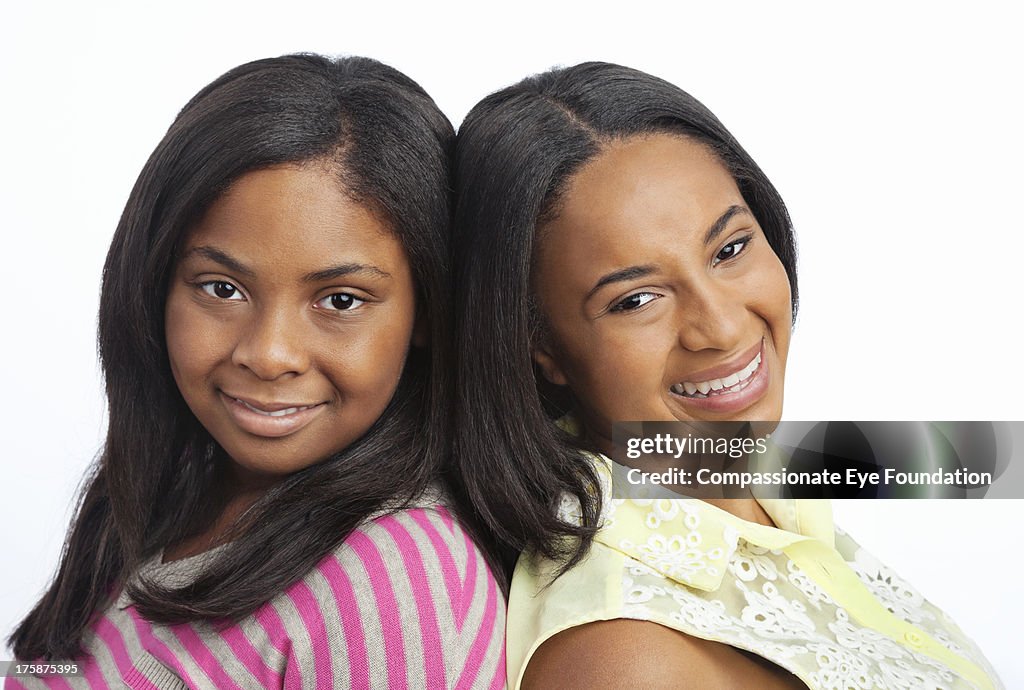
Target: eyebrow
(633,272)
(224,259)
(719,225)
(343,270)
(621,275)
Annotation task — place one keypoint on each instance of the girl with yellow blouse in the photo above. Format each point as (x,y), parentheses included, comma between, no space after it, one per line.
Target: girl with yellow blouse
(620,256)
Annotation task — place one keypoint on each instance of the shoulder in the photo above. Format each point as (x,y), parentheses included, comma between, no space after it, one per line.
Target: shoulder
(428,535)
(409,592)
(407,559)
(627,653)
(423,551)
(613,654)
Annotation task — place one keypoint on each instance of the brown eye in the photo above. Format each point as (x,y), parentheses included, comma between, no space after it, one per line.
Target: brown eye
(340,301)
(635,301)
(732,250)
(221,290)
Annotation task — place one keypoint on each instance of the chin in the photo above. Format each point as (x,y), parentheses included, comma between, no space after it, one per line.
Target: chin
(270,462)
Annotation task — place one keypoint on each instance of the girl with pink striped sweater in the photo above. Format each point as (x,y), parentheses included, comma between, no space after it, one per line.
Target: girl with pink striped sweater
(266,511)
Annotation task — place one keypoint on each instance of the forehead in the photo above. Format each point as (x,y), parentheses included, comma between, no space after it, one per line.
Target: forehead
(659,187)
(292,217)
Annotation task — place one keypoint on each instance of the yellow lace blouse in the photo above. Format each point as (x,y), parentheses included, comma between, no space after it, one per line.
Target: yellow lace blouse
(804,595)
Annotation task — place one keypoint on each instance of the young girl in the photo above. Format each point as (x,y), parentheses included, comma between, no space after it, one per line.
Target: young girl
(620,256)
(273,329)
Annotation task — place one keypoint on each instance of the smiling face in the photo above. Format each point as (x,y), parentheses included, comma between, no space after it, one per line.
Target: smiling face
(288,320)
(661,297)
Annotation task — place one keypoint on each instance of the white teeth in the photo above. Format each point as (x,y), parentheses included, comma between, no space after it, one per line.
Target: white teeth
(750,368)
(275,413)
(729,383)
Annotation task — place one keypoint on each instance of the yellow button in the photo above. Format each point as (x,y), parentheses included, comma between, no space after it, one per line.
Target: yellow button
(913,639)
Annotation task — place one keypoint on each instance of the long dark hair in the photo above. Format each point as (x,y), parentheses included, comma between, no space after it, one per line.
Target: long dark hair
(156,479)
(516,151)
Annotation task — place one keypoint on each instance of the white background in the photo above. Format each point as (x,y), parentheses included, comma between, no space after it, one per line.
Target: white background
(893,132)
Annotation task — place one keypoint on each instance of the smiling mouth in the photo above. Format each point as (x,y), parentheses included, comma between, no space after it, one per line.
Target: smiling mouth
(733,383)
(270,420)
(275,413)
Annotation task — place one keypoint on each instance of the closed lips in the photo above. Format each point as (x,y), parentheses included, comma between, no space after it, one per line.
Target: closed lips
(279,412)
(271,419)
(732,383)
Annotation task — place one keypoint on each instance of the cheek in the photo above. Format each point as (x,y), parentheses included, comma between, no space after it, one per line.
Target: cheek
(371,366)
(379,363)
(774,301)
(181,350)
(192,346)
(614,367)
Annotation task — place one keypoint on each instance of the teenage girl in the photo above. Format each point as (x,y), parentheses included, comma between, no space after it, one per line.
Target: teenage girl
(273,329)
(621,257)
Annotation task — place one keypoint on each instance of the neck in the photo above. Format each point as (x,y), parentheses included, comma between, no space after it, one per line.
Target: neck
(236,491)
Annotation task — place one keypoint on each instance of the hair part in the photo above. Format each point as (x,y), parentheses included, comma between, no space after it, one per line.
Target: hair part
(158,478)
(517,152)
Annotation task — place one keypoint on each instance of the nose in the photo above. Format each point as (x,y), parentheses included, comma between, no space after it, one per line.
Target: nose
(272,345)
(711,317)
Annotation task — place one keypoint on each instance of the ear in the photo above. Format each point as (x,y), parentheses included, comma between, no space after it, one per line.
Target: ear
(548,364)
(420,326)
(421,329)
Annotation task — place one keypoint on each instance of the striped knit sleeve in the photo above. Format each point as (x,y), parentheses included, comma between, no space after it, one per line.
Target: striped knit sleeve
(407,602)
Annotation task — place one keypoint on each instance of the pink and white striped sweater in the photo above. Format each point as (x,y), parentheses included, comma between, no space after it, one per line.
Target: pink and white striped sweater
(406,602)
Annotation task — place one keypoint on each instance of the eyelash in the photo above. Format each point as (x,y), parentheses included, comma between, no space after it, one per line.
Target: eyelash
(210,288)
(621,306)
(743,241)
(354,303)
